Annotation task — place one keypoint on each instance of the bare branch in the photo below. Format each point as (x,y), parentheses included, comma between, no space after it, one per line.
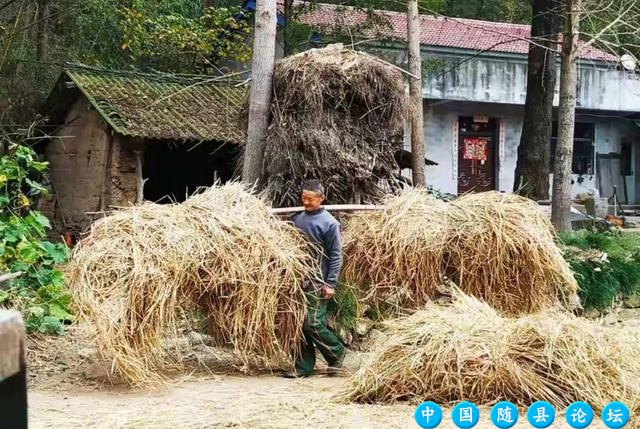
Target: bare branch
(613,23)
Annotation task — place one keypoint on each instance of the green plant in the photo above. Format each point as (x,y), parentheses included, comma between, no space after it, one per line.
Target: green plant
(344,307)
(39,292)
(178,43)
(606,265)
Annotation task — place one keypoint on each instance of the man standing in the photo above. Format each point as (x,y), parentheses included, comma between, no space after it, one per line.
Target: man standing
(323,232)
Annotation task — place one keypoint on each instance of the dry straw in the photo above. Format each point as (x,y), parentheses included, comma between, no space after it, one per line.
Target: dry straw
(396,256)
(497,247)
(220,251)
(467,351)
(501,248)
(337,115)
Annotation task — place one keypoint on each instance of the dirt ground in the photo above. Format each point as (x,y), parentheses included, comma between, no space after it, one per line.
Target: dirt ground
(68,389)
(229,402)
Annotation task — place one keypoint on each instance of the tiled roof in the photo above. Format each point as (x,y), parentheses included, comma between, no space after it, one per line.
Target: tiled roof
(436,31)
(162,106)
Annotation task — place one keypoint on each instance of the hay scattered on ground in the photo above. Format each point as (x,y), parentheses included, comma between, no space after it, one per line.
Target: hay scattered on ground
(337,115)
(494,246)
(466,351)
(220,251)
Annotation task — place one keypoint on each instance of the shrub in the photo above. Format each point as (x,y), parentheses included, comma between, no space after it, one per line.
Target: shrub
(40,291)
(606,265)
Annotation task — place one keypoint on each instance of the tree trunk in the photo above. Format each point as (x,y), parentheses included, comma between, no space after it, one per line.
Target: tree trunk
(43,30)
(561,199)
(415,93)
(264,46)
(533,165)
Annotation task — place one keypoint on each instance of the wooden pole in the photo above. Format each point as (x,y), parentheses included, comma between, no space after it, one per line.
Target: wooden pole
(415,94)
(13,371)
(336,207)
(139,180)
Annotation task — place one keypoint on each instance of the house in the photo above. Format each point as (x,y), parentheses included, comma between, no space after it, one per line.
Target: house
(474,93)
(118,138)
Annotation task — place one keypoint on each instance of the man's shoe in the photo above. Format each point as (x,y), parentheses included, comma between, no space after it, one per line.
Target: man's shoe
(335,368)
(293,374)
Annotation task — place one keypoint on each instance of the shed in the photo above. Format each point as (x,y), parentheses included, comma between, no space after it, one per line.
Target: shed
(118,138)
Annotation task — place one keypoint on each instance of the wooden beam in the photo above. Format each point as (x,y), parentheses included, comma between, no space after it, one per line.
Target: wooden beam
(10,276)
(336,208)
(139,180)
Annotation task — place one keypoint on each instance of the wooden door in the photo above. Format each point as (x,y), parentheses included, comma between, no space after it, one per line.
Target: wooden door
(477,144)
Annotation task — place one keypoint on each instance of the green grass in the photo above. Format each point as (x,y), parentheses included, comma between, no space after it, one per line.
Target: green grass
(345,306)
(602,281)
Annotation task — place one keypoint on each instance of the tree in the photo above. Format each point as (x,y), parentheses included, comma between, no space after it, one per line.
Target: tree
(623,16)
(532,167)
(561,197)
(264,49)
(415,93)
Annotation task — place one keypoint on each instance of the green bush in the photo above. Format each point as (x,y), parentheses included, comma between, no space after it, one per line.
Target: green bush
(40,292)
(606,265)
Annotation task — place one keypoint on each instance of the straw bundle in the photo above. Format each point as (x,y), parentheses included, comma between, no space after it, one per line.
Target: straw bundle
(496,247)
(221,251)
(337,115)
(468,352)
(501,248)
(396,256)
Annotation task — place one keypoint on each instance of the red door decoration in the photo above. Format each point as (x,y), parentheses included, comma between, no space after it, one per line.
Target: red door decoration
(475,149)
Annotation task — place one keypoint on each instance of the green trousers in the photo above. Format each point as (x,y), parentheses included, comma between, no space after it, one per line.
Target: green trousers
(317,334)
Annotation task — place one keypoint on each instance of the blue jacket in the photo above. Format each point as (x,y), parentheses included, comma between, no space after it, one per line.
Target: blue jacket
(323,232)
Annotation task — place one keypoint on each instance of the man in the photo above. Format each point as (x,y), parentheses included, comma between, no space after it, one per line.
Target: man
(323,232)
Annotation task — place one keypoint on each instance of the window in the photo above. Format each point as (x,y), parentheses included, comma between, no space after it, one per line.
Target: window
(583,147)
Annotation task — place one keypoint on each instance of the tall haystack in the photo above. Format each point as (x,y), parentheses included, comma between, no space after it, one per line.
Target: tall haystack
(220,251)
(467,351)
(337,115)
(494,246)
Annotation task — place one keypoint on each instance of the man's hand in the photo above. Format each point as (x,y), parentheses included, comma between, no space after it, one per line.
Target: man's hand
(327,292)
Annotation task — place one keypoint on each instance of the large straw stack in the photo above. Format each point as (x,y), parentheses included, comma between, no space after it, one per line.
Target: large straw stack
(395,257)
(337,115)
(501,248)
(468,352)
(494,246)
(221,251)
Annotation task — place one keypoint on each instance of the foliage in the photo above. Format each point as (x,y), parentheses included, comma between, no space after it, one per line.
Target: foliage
(516,11)
(178,43)
(606,265)
(344,308)
(39,292)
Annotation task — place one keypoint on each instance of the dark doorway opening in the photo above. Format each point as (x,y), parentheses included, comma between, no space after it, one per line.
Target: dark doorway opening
(175,171)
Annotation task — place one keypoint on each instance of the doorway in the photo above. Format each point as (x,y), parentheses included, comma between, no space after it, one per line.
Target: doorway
(175,171)
(477,140)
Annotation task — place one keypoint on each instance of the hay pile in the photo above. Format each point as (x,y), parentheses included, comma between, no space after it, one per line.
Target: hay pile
(220,251)
(468,352)
(337,115)
(498,247)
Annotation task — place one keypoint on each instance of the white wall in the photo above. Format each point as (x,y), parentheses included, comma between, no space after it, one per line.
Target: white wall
(502,78)
(439,138)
